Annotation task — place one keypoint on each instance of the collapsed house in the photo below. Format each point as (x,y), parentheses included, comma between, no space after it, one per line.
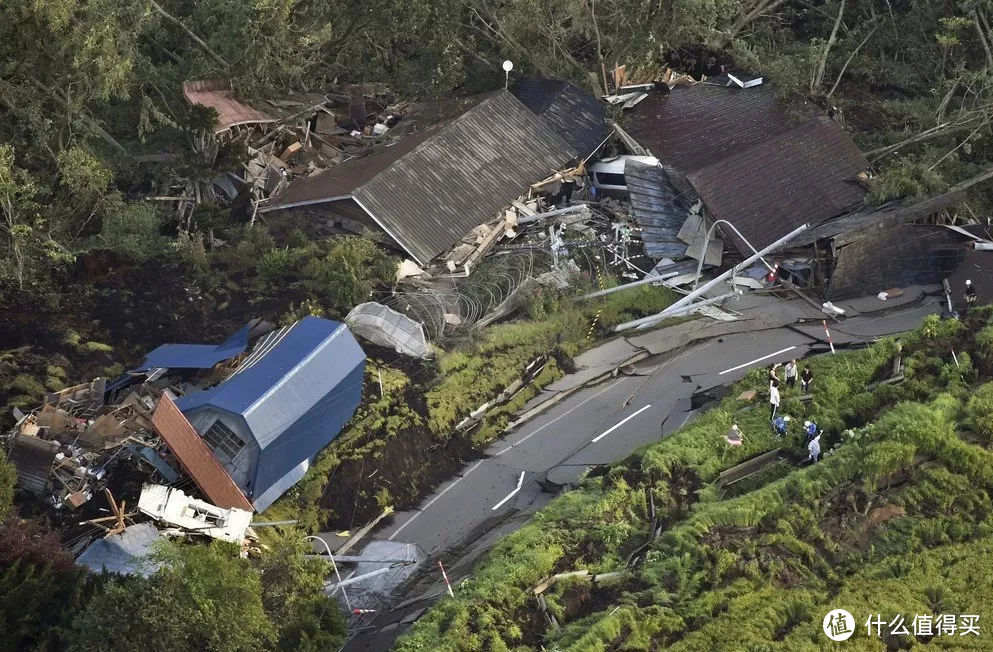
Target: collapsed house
(728,150)
(281,405)
(241,421)
(456,171)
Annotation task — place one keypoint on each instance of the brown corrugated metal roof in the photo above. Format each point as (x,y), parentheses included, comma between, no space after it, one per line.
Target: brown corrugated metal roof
(196,459)
(218,94)
(341,180)
(692,127)
(442,182)
(805,175)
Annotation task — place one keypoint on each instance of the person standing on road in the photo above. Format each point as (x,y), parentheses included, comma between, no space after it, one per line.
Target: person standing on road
(814,447)
(791,372)
(805,379)
(773,399)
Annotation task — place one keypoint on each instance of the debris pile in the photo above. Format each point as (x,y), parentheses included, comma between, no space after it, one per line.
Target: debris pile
(134,436)
(289,137)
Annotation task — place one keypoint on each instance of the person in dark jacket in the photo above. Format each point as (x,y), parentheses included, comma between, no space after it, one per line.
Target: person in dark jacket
(805,378)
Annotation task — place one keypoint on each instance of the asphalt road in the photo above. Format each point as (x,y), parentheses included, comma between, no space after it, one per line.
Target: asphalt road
(597,425)
(604,423)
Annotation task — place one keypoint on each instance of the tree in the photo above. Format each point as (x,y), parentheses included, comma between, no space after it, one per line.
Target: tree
(293,597)
(8,480)
(203,597)
(349,271)
(42,588)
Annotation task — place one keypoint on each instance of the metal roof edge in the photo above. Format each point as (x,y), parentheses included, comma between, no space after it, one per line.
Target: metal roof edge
(292,371)
(308,202)
(383,226)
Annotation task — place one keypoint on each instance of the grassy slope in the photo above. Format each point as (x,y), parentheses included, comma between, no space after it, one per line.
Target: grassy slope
(896,519)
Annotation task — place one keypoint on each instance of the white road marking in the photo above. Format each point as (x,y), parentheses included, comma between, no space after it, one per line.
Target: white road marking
(431,502)
(765,357)
(686,418)
(520,483)
(618,425)
(564,414)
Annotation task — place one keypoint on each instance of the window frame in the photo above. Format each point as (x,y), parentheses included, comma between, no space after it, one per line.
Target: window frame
(227,445)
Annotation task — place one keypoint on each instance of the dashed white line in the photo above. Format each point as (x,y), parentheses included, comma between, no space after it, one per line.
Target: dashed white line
(564,414)
(765,357)
(431,502)
(618,425)
(520,483)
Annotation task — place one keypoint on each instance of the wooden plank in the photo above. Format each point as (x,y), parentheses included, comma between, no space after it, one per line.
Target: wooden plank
(747,467)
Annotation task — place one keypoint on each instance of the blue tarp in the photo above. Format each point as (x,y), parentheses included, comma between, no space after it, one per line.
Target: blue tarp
(197,356)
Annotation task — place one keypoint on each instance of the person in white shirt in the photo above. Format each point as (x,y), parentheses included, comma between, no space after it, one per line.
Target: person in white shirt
(815,449)
(773,399)
(791,373)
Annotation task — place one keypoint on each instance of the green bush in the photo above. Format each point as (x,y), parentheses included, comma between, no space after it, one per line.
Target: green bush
(980,412)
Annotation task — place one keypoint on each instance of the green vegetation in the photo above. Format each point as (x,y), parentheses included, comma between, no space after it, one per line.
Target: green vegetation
(203,597)
(895,519)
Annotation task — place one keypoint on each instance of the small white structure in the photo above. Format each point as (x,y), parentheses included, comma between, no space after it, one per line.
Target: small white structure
(174,507)
(608,174)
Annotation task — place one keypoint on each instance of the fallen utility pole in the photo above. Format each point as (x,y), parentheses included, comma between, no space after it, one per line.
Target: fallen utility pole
(575,208)
(689,298)
(644,322)
(633,284)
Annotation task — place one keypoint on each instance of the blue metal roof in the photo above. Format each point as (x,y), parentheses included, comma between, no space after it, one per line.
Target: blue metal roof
(197,356)
(295,391)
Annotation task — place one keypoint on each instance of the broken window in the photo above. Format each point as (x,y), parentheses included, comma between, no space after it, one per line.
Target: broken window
(610,179)
(222,440)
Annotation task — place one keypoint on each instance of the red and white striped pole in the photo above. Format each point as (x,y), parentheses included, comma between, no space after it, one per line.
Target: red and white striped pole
(828,333)
(445,575)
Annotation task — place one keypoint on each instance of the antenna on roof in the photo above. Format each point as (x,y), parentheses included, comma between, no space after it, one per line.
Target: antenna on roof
(508,65)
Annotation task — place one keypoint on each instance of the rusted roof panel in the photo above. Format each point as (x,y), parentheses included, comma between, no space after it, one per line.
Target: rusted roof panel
(805,175)
(196,459)
(218,94)
(693,127)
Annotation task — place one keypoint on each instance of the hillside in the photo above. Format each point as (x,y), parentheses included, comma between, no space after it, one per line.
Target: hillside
(895,520)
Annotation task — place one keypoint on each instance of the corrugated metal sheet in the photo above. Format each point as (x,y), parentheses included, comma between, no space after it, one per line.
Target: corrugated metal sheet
(218,94)
(696,126)
(196,356)
(896,256)
(657,208)
(194,456)
(123,553)
(33,459)
(573,113)
(805,175)
(295,392)
(444,181)
(693,233)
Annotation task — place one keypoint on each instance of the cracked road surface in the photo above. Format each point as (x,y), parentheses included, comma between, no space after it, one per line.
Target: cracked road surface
(594,425)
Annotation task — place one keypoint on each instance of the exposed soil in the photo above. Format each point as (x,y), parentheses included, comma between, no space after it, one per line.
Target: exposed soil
(409,466)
